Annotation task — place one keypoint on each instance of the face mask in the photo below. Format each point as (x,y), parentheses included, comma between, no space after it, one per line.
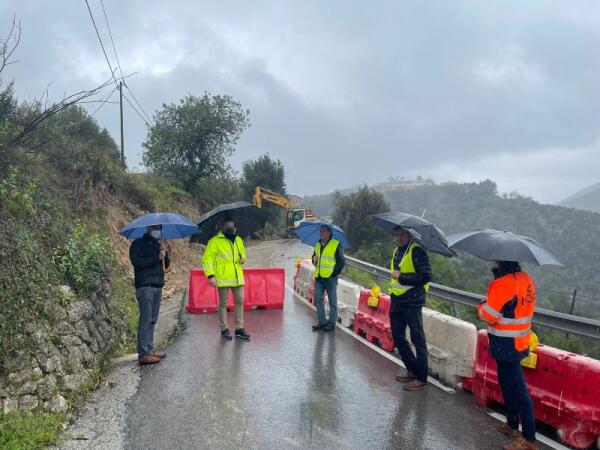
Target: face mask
(229,232)
(155,234)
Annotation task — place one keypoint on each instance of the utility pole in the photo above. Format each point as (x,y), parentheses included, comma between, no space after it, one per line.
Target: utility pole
(122,132)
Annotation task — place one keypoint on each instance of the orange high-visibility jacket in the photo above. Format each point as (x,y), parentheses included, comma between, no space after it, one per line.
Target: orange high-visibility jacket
(509,308)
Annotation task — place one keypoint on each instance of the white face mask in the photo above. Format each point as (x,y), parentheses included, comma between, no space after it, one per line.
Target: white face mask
(155,234)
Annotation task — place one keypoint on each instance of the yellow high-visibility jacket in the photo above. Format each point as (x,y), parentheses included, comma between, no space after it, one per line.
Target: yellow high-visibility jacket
(221,259)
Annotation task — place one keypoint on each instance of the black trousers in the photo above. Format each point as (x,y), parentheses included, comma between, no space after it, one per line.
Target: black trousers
(412,318)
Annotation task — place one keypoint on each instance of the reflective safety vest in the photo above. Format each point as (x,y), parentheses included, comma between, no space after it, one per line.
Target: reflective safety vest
(509,308)
(326,258)
(221,259)
(406,266)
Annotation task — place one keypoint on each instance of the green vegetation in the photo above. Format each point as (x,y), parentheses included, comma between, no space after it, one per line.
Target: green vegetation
(267,173)
(29,430)
(193,140)
(85,260)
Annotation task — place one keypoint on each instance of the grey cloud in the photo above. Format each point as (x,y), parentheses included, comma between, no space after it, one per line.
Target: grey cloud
(366,91)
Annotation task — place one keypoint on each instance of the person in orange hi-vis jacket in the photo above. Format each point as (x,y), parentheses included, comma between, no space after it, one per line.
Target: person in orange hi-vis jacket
(508,309)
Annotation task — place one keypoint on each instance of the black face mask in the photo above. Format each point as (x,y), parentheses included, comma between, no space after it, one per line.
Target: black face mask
(229,232)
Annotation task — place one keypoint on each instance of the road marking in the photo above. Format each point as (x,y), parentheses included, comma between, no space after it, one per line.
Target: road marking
(372,346)
(541,438)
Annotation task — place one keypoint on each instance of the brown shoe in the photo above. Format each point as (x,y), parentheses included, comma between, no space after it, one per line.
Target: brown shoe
(159,355)
(414,385)
(521,444)
(506,429)
(147,360)
(404,378)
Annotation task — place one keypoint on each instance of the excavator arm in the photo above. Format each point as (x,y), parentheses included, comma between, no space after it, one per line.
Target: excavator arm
(261,194)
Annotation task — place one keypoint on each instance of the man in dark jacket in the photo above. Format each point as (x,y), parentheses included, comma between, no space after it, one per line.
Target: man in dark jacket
(329,261)
(147,255)
(411,274)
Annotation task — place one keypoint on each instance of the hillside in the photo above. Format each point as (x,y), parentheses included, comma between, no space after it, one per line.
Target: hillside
(586,199)
(66,287)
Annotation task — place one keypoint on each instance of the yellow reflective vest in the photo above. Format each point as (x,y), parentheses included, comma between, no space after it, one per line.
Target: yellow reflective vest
(406,266)
(221,259)
(326,258)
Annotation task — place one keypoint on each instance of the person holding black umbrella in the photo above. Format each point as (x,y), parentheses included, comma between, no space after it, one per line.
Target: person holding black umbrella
(222,264)
(411,274)
(508,310)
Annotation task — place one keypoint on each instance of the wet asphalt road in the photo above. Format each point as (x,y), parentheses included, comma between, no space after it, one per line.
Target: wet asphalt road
(291,388)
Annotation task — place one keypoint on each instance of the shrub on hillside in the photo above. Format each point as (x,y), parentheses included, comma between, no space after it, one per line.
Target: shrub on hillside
(85,259)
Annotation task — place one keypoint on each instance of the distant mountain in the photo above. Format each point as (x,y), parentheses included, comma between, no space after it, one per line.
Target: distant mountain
(587,199)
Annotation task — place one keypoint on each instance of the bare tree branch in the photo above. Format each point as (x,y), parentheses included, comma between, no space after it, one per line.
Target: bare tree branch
(9,44)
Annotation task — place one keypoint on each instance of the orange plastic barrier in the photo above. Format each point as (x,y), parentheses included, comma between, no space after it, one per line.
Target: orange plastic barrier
(264,289)
(374,323)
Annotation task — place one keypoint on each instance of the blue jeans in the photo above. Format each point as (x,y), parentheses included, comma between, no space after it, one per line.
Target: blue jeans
(519,408)
(148,299)
(329,285)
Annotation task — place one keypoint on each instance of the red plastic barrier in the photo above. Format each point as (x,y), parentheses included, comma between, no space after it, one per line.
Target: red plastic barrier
(264,289)
(374,323)
(563,387)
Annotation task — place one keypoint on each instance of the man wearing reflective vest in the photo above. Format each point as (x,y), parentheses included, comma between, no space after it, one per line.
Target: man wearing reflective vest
(329,260)
(222,264)
(411,274)
(508,309)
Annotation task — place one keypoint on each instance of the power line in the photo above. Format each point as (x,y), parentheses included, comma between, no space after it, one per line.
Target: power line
(114,47)
(112,72)
(111,38)
(136,111)
(138,103)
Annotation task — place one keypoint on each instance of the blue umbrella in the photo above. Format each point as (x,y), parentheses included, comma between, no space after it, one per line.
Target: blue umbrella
(174,226)
(309,233)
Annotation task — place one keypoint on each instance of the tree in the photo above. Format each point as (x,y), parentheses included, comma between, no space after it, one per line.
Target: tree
(194,139)
(354,213)
(267,173)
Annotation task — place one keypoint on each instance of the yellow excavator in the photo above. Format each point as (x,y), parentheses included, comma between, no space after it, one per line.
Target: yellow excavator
(295,212)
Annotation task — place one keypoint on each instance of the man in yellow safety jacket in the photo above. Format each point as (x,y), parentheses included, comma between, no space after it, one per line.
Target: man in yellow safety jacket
(329,261)
(508,309)
(411,273)
(222,263)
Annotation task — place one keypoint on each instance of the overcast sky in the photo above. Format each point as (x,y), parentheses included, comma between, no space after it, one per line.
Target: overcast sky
(350,92)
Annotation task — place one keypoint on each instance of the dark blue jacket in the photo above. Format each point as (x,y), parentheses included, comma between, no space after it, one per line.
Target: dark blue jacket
(144,256)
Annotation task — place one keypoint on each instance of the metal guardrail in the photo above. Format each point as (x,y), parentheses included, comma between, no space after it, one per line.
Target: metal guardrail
(578,325)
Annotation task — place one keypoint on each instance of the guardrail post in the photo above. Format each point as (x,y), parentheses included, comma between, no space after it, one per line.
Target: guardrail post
(456,310)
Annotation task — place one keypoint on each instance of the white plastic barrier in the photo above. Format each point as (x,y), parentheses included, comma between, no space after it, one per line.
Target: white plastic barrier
(304,279)
(451,344)
(347,294)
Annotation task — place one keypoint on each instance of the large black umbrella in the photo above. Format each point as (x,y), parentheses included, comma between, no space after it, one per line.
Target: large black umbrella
(422,231)
(248,220)
(494,245)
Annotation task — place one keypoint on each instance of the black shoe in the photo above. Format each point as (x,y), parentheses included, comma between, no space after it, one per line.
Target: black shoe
(329,327)
(241,333)
(225,334)
(318,327)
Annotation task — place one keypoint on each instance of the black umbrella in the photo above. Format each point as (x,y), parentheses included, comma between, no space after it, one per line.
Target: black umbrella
(494,245)
(248,219)
(422,231)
